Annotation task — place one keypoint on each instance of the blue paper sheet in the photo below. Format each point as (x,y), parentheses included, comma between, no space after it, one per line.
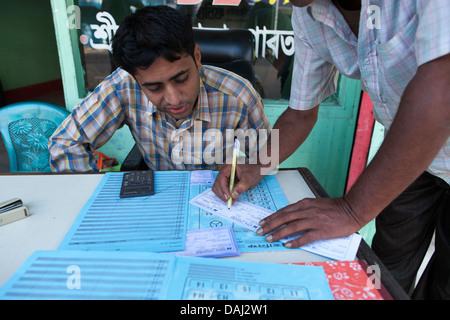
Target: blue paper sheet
(267,194)
(212,279)
(158,223)
(89,275)
(155,223)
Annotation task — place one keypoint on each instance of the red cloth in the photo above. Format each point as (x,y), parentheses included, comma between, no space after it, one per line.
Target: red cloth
(348,280)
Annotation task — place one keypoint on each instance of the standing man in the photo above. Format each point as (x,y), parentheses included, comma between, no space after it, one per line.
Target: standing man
(400,51)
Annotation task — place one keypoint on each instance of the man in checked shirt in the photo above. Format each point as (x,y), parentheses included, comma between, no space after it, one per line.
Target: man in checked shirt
(400,50)
(182,115)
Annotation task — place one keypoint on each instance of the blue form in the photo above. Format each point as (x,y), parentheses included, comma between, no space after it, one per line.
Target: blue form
(102,275)
(268,194)
(90,275)
(155,223)
(215,279)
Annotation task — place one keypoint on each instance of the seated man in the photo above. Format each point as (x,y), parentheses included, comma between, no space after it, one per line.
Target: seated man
(182,115)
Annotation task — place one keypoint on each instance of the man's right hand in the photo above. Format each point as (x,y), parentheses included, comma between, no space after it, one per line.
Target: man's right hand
(247,177)
(294,127)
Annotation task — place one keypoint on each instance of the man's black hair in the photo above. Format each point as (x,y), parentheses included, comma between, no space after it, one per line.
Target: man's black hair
(149,33)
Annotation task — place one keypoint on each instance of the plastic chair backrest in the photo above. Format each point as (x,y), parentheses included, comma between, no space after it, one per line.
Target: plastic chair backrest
(231,49)
(26,128)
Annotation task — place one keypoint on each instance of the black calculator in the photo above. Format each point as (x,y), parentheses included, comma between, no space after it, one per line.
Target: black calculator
(137,184)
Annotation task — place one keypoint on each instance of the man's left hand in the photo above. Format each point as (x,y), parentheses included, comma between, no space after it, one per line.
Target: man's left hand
(321,218)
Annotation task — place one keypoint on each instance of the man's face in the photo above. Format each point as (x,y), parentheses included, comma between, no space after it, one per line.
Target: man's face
(301,3)
(172,87)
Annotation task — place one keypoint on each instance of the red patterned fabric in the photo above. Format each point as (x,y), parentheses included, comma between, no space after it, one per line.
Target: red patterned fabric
(348,280)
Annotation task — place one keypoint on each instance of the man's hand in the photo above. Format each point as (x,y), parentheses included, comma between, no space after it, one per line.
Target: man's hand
(420,129)
(294,127)
(321,218)
(247,177)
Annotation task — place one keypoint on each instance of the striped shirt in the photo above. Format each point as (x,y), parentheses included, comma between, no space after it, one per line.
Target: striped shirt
(227,105)
(394,38)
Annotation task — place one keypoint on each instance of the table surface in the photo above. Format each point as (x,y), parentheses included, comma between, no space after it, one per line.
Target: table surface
(55,200)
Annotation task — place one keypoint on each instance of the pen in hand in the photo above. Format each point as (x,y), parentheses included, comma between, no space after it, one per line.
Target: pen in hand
(233,170)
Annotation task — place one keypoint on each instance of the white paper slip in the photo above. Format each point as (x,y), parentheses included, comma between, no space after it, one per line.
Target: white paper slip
(241,212)
(210,243)
(202,177)
(343,249)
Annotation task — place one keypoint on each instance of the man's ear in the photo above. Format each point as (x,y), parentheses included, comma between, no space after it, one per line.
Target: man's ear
(197,57)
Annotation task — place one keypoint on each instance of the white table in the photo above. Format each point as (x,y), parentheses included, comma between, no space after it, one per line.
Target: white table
(55,200)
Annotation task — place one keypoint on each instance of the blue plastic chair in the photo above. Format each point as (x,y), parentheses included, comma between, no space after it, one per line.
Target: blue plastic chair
(26,128)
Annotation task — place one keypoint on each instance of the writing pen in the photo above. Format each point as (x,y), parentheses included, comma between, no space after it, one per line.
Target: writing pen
(233,170)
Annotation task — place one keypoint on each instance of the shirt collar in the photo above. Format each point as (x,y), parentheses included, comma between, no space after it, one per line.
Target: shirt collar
(325,11)
(152,109)
(202,110)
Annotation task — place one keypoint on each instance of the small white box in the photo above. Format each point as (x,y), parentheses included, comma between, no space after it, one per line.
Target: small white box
(12,210)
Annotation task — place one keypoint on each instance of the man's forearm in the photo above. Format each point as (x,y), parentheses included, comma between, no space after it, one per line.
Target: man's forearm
(420,129)
(293,128)
(67,151)
(71,159)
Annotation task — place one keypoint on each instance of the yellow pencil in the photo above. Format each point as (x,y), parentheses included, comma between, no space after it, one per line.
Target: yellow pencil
(233,170)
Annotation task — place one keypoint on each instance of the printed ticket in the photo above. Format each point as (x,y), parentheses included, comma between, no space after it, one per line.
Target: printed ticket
(241,212)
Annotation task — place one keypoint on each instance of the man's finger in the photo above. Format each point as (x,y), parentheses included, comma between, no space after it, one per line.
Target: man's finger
(290,229)
(307,237)
(221,186)
(290,222)
(292,208)
(244,181)
(285,215)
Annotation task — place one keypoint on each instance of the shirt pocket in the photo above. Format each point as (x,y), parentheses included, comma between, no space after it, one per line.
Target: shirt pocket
(397,63)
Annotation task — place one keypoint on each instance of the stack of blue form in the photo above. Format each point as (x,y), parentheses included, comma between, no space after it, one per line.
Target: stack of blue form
(141,248)
(89,275)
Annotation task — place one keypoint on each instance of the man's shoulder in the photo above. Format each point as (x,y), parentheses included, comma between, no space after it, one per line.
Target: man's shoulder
(119,77)
(118,86)
(223,81)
